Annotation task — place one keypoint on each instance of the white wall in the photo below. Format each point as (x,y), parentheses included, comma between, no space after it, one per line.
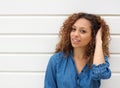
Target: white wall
(28,35)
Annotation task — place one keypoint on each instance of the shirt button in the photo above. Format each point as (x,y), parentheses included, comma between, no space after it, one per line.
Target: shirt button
(77,78)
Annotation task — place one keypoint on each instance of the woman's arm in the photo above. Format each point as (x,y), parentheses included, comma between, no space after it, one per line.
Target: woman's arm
(98,54)
(100,68)
(50,75)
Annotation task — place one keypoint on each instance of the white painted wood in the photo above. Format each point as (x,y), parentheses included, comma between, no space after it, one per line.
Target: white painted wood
(114,44)
(115,63)
(21,80)
(113,82)
(44,24)
(23,62)
(114,23)
(58,6)
(30,24)
(28,44)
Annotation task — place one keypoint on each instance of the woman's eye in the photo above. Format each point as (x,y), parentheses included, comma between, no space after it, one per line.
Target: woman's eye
(73,29)
(82,31)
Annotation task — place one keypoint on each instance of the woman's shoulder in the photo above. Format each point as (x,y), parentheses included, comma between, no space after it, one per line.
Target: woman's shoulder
(57,58)
(58,54)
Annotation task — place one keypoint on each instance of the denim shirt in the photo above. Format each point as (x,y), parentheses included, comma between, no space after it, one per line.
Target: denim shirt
(61,72)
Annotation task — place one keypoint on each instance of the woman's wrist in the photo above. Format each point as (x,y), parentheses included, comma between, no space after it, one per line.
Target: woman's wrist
(99,42)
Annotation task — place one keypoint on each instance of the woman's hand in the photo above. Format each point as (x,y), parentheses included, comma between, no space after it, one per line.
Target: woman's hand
(99,36)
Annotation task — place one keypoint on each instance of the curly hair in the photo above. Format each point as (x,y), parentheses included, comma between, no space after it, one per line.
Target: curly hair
(64,45)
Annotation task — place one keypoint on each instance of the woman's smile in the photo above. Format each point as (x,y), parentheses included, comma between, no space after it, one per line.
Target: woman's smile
(75,41)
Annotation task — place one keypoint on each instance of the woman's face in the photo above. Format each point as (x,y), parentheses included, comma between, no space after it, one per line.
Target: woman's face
(81,33)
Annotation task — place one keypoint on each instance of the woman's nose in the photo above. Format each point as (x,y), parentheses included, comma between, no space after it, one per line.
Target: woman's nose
(76,33)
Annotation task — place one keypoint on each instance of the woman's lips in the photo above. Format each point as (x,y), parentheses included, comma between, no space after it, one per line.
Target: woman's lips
(75,40)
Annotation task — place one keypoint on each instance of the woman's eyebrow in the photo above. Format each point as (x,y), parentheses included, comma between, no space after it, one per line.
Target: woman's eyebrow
(79,27)
(74,26)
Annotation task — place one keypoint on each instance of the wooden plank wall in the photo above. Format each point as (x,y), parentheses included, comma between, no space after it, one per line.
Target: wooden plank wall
(29,32)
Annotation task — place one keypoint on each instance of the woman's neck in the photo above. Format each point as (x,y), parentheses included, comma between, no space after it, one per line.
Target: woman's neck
(79,53)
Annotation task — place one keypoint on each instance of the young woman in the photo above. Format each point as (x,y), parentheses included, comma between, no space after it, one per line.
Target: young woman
(81,57)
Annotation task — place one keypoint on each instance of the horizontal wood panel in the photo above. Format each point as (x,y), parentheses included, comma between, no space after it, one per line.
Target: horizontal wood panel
(58,6)
(114,44)
(40,44)
(115,63)
(30,24)
(44,24)
(21,80)
(38,62)
(28,44)
(113,82)
(114,23)
(36,80)
(23,62)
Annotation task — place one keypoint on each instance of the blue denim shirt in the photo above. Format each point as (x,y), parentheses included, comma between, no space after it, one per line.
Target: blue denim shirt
(61,72)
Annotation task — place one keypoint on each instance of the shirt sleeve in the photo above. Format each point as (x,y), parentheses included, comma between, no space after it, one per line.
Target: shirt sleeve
(101,71)
(50,76)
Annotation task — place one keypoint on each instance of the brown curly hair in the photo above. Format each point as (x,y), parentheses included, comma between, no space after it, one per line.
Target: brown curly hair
(64,45)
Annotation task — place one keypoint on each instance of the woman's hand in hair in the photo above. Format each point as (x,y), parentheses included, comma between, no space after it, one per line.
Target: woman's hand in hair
(99,36)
